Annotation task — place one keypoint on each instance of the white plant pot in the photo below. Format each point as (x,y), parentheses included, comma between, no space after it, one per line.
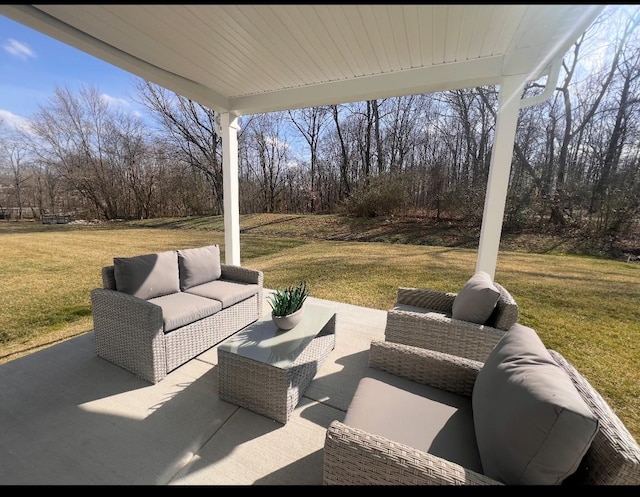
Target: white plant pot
(289,321)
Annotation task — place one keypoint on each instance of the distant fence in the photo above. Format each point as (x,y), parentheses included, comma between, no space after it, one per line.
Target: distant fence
(56,218)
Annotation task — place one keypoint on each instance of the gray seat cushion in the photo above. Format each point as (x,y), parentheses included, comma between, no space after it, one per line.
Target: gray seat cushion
(227,292)
(532,425)
(179,309)
(476,300)
(147,276)
(420,416)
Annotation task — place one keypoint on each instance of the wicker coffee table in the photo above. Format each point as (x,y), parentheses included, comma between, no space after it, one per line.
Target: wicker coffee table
(267,370)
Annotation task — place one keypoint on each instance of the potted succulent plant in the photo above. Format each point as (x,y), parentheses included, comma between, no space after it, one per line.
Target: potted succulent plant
(287,305)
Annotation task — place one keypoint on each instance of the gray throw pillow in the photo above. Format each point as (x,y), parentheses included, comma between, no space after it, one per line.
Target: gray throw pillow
(198,266)
(147,276)
(532,426)
(476,300)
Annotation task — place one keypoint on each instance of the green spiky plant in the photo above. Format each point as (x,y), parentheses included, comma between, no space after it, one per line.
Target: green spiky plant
(288,300)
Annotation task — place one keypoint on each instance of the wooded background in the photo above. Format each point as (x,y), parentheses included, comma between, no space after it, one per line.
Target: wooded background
(576,163)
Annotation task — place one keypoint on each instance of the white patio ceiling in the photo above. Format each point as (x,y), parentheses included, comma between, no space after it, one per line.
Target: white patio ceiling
(249,59)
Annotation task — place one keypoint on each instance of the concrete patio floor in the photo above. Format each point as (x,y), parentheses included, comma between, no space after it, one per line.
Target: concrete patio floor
(68,417)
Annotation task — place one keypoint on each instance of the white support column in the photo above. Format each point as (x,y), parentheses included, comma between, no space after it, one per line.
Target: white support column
(229,132)
(499,172)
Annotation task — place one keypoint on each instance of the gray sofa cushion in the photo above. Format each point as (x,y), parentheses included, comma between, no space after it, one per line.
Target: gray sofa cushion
(199,265)
(179,309)
(147,276)
(532,426)
(420,416)
(476,300)
(227,292)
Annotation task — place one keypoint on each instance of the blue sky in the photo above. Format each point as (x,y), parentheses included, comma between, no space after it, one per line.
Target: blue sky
(33,65)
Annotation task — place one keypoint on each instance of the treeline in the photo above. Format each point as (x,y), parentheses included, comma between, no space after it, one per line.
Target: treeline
(576,164)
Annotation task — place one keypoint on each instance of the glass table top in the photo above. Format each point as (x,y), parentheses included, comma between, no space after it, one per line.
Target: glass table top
(263,341)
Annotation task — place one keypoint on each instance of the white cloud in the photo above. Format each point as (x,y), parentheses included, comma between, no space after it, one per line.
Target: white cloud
(114,101)
(18,49)
(14,121)
(277,142)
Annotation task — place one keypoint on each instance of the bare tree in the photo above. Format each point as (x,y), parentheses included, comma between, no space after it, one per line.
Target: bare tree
(266,157)
(76,135)
(190,129)
(626,64)
(345,185)
(18,167)
(130,156)
(310,123)
(401,131)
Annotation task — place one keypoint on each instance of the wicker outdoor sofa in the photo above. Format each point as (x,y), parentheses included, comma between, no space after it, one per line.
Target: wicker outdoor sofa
(157,311)
(525,416)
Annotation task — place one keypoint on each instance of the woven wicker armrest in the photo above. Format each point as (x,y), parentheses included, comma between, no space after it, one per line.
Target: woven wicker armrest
(506,313)
(128,331)
(614,455)
(426,298)
(241,274)
(356,457)
(442,333)
(444,371)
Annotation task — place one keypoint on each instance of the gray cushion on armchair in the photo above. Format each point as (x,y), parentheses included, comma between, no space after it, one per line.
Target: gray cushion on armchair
(532,426)
(476,300)
(392,406)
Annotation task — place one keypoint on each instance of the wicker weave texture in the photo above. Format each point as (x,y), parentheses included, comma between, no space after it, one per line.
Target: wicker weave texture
(245,275)
(614,455)
(426,298)
(422,318)
(268,390)
(356,457)
(429,367)
(128,331)
(506,313)
(441,333)
(191,340)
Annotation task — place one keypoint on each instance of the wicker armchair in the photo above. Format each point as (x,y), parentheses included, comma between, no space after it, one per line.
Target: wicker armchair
(354,456)
(422,318)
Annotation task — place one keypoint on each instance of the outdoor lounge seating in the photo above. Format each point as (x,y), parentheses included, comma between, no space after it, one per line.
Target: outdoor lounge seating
(525,416)
(157,311)
(468,323)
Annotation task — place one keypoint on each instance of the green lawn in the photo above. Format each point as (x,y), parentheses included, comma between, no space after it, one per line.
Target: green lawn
(586,308)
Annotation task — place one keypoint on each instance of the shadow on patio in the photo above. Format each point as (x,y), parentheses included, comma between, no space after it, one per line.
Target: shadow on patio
(69,417)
